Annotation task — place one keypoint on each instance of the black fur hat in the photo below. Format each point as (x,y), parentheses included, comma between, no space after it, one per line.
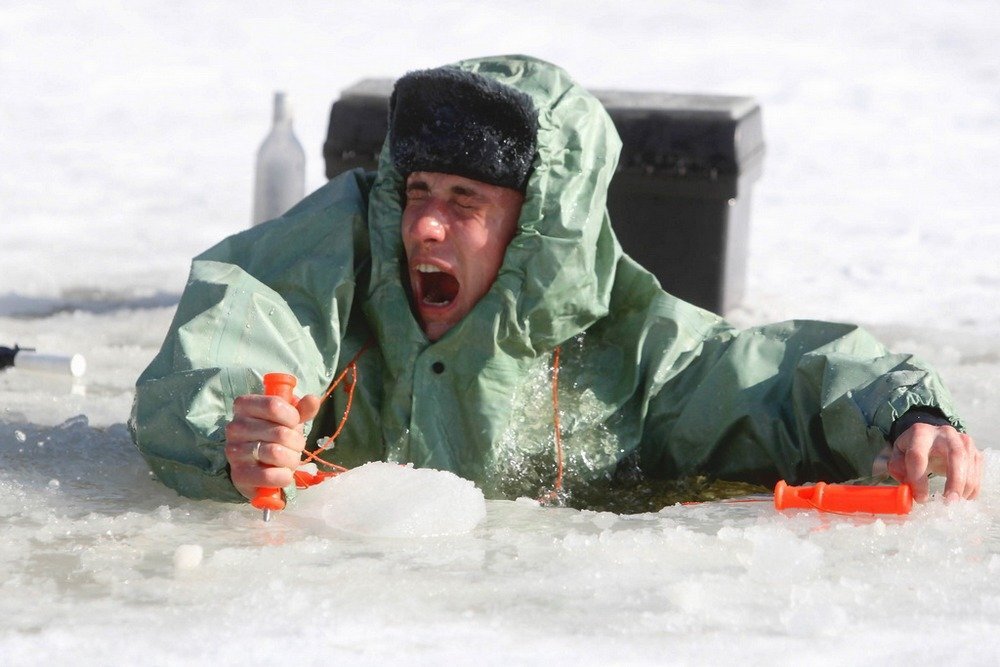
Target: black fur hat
(457,122)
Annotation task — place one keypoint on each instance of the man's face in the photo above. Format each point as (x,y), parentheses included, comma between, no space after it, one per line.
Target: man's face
(455,231)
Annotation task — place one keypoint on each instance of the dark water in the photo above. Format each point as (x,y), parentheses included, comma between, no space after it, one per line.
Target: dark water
(654,495)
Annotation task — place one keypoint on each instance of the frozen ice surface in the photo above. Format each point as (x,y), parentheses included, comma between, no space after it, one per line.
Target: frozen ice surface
(127,147)
(111,548)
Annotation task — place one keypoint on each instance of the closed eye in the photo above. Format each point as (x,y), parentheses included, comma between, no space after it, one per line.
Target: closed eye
(466,198)
(416,192)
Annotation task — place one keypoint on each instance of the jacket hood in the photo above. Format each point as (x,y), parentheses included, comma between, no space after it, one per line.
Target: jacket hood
(558,271)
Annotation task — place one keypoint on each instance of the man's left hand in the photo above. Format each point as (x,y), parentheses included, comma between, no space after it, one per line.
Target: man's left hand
(942,450)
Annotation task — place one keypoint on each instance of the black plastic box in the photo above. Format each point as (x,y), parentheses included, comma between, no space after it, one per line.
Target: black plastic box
(680,200)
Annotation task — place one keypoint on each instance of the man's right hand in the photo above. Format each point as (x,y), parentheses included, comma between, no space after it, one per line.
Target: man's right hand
(277,426)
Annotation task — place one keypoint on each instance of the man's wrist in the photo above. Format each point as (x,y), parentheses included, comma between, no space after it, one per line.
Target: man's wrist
(920,414)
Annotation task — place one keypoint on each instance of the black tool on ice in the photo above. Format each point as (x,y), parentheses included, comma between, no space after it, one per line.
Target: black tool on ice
(7,354)
(28,359)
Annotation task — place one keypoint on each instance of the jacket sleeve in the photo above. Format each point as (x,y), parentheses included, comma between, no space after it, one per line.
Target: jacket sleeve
(800,401)
(273,298)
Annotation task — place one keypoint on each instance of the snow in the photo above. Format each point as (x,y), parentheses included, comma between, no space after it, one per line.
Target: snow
(129,134)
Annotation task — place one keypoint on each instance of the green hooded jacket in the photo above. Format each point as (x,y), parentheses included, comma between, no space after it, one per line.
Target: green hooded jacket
(646,381)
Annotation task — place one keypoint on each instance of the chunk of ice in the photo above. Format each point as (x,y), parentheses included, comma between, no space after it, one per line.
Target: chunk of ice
(187,557)
(391,500)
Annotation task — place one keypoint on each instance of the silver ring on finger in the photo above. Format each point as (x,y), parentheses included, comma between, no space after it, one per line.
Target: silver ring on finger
(255,452)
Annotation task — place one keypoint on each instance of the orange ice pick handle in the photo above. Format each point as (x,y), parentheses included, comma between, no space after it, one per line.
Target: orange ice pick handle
(280,385)
(844,498)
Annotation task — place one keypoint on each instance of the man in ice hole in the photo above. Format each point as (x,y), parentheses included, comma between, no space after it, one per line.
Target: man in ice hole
(480,246)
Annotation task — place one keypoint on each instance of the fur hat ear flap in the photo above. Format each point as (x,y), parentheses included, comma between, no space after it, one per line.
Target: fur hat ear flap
(456,122)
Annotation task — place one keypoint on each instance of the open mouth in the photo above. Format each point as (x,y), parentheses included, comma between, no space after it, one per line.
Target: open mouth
(437,288)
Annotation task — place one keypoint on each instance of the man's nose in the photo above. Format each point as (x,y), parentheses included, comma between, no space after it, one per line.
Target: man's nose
(429,225)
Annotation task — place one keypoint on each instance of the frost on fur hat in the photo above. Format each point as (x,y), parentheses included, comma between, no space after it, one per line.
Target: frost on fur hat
(456,122)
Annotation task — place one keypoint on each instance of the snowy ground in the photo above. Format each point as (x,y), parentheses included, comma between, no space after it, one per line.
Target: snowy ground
(127,146)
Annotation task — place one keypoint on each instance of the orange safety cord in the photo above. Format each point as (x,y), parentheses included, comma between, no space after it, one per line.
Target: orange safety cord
(831,498)
(557,485)
(305,479)
(352,366)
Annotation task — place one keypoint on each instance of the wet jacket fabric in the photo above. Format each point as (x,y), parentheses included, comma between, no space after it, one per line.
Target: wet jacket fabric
(647,382)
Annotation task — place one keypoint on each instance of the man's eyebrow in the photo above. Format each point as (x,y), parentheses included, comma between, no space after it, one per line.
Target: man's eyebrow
(417,185)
